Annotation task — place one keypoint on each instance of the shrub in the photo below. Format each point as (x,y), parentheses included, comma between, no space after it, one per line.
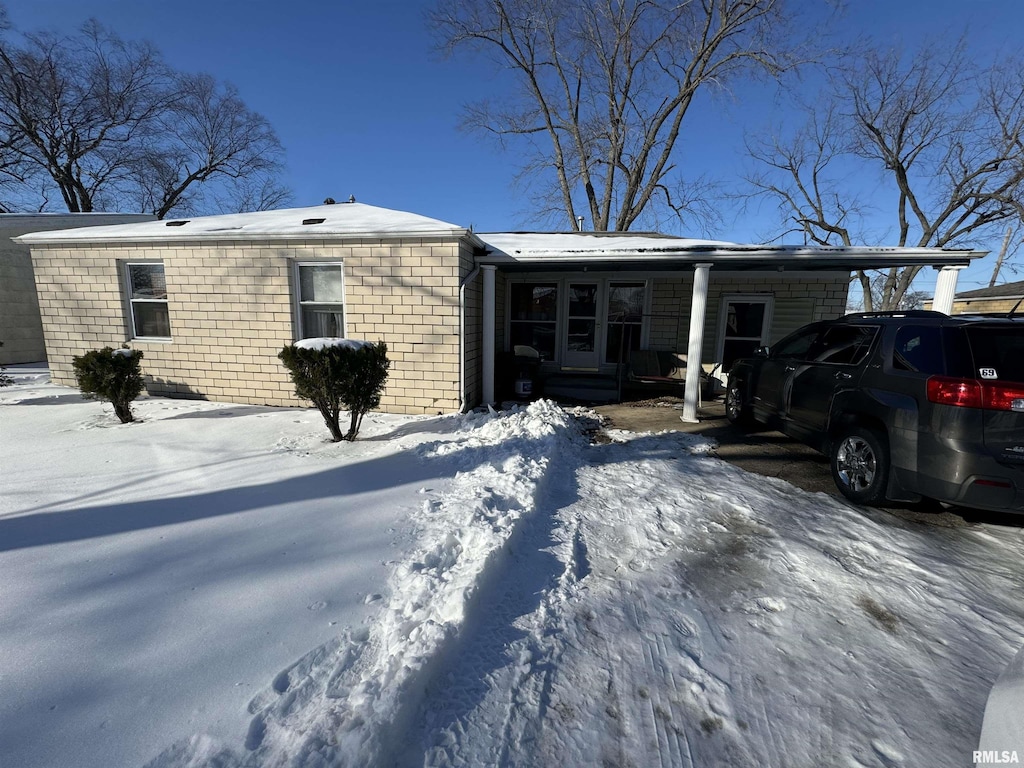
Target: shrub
(336,375)
(113,375)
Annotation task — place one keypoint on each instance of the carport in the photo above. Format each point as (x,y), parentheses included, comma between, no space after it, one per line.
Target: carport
(581,259)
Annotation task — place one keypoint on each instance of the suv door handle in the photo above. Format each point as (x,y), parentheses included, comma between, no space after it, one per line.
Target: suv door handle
(790,368)
(843,376)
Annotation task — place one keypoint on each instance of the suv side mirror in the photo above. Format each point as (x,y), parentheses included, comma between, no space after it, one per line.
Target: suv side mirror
(761,352)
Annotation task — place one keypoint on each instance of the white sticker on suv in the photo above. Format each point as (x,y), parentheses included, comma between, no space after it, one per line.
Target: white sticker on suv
(988,373)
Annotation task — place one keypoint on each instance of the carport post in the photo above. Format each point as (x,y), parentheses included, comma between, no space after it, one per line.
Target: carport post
(945,289)
(698,308)
(488,333)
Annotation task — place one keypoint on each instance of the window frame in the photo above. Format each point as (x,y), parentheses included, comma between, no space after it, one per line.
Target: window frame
(555,323)
(645,311)
(767,299)
(300,305)
(131,300)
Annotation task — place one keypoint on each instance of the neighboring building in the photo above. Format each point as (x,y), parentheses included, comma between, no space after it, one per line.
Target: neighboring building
(21,328)
(212,300)
(998,298)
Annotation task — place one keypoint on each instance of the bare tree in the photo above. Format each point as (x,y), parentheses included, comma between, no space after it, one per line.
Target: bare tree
(207,133)
(605,86)
(943,137)
(107,124)
(74,109)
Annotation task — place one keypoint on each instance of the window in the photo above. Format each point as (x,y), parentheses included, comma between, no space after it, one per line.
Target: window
(998,353)
(842,345)
(625,320)
(532,316)
(796,346)
(918,349)
(744,327)
(321,300)
(147,298)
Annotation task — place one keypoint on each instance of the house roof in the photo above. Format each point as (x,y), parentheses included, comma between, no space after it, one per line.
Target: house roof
(341,220)
(1004,291)
(615,251)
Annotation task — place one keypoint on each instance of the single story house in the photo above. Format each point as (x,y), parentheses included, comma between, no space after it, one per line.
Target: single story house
(211,300)
(21,327)
(998,298)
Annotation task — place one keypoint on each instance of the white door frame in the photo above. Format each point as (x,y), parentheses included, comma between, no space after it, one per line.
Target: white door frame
(768,299)
(585,361)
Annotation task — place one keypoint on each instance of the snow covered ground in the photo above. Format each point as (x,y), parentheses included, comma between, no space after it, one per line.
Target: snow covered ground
(216,585)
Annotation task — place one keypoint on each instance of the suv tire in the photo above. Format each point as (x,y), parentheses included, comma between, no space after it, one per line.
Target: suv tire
(737,411)
(860,464)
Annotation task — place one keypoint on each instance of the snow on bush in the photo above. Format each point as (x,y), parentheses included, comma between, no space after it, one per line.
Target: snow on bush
(338,374)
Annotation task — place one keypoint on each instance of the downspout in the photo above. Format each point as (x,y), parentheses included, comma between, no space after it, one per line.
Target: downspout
(462,337)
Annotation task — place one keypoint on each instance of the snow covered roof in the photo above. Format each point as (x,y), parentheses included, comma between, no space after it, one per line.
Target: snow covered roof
(616,250)
(320,221)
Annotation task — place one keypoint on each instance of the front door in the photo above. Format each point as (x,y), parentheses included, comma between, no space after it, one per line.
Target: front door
(581,350)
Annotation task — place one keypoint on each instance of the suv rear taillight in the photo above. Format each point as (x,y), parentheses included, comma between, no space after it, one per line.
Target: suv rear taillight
(971,393)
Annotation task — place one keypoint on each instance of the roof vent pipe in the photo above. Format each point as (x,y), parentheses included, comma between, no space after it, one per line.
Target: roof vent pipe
(579,223)
(328,201)
(351,198)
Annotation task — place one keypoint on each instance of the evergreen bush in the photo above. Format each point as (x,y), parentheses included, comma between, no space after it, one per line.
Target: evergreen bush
(336,375)
(114,375)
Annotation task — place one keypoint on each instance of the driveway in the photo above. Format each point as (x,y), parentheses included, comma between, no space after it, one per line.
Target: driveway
(772,454)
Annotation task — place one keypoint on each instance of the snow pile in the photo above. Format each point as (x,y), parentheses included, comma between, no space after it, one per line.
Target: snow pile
(331,341)
(716,621)
(1003,729)
(351,701)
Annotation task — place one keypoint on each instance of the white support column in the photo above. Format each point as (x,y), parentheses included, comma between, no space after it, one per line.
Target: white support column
(698,308)
(945,289)
(488,333)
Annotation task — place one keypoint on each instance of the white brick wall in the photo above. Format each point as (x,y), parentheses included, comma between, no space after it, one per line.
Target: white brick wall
(231,311)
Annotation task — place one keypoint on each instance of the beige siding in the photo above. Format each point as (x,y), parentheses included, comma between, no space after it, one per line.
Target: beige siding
(798,300)
(970,306)
(231,310)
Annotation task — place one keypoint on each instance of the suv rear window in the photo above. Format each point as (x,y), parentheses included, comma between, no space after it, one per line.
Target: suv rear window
(918,348)
(998,352)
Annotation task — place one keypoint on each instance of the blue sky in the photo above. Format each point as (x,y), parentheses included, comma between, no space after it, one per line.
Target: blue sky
(365,106)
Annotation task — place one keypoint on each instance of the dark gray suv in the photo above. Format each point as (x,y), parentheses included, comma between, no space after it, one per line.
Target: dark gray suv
(906,405)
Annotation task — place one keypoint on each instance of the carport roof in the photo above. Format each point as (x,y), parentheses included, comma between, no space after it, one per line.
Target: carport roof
(613,251)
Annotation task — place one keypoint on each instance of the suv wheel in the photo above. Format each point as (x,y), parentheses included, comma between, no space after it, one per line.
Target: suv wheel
(736,410)
(860,465)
